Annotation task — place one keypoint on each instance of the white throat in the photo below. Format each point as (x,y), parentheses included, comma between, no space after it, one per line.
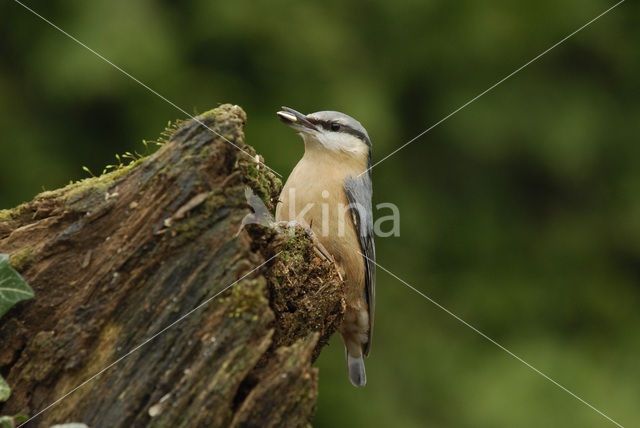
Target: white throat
(336,142)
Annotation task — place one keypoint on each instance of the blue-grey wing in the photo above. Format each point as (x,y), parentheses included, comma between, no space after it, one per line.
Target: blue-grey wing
(359,192)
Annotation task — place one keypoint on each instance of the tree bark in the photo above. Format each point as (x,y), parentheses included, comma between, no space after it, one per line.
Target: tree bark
(114,260)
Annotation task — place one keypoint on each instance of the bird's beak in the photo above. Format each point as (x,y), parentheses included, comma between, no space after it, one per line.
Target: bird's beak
(296,120)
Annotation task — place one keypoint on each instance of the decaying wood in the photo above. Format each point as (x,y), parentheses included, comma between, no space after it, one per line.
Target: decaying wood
(115,259)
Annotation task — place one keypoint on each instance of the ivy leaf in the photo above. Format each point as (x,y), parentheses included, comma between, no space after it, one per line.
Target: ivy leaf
(12,421)
(6,422)
(12,287)
(5,391)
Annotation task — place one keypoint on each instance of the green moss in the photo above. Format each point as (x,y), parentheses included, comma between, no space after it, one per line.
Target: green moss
(238,367)
(43,347)
(213,112)
(295,257)
(291,362)
(90,186)
(91,191)
(15,213)
(5,215)
(187,228)
(199,218)
(248,298)
(168,132)
(264,183)
(295,247)
(26,372)
(21,259)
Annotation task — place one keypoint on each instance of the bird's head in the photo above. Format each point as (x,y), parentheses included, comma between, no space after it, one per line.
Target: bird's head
(329,130)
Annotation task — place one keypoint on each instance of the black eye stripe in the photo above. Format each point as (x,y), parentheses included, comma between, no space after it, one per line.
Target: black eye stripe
(343,128)
(326,124)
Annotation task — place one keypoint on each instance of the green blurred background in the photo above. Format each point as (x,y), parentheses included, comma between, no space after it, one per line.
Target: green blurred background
(521,213)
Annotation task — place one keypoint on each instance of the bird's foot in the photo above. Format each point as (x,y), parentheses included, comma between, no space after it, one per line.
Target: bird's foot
(319,249)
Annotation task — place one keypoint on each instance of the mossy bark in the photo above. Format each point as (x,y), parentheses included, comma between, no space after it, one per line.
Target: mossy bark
(115,259)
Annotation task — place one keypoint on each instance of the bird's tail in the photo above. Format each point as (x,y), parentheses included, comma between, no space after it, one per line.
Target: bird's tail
(355,367)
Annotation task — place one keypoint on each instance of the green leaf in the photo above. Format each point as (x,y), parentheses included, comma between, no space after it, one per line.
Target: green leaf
(12,287)
(6,422)
(20,417)
(5,391)
(12,421)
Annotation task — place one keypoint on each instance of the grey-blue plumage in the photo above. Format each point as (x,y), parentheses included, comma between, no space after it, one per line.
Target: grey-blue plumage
(359,193)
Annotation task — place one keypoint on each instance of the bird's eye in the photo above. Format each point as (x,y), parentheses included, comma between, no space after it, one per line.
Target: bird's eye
(335,126)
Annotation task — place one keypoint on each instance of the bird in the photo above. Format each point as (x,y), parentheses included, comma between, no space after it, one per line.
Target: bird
(329,193)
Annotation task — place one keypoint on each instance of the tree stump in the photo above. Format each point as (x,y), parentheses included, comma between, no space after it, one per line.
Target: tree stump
(125,268)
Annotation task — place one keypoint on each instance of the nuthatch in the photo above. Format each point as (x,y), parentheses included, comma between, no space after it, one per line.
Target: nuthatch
(331,180)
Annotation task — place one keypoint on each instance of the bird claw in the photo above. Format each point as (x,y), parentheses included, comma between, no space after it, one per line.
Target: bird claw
(318,248)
